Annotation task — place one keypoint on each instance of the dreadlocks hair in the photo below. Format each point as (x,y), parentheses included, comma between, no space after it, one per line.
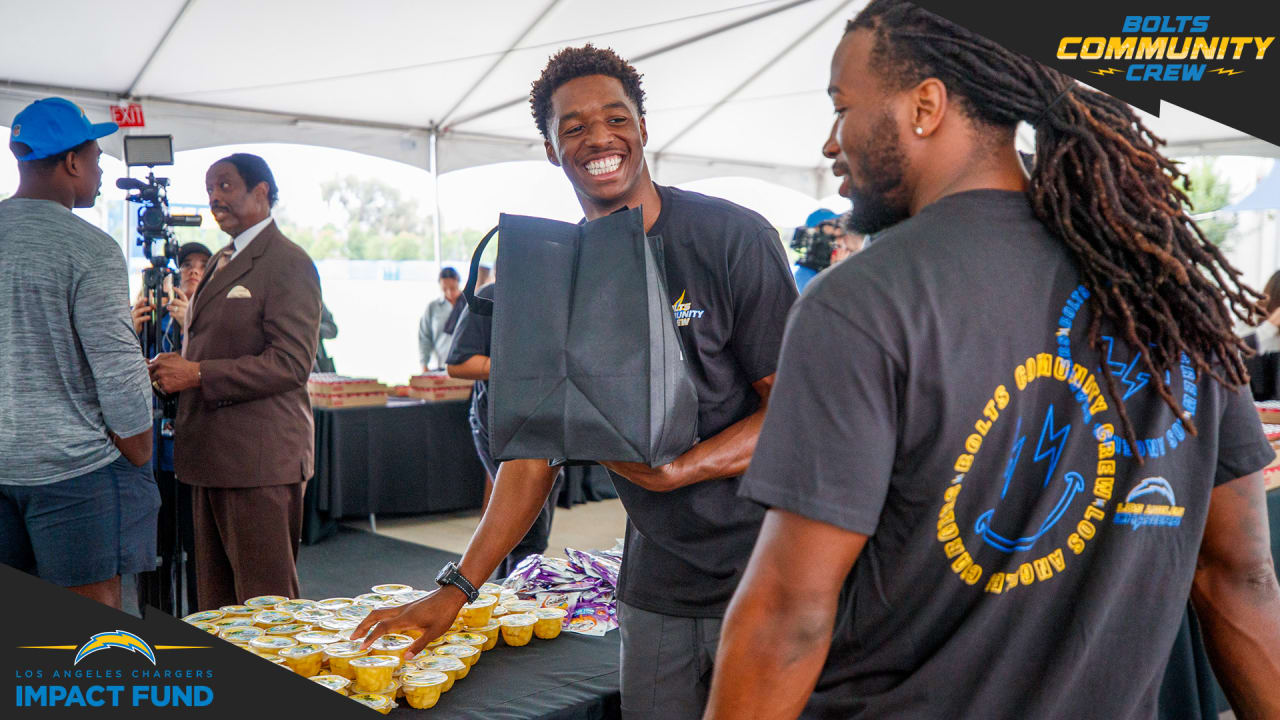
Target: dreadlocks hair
(1101,186)
(573,63)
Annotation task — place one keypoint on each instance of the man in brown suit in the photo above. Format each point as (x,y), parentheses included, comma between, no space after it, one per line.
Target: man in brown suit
(244,431)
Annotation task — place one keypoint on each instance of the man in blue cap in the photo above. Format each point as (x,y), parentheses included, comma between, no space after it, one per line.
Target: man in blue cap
(77,501)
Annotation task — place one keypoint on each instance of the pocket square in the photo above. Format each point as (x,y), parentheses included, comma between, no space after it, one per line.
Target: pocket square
(238,291)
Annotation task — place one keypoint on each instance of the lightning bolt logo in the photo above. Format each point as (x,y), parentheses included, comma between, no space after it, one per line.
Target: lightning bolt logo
(1048,448)
(1227,71)
(1105,71)
(115,639)
(1122,370)
(1050,445)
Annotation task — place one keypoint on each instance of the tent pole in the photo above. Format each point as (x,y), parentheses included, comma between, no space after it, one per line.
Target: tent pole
(435,191)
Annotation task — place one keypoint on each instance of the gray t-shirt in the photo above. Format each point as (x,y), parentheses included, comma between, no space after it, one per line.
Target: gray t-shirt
(71,366)
(939,394)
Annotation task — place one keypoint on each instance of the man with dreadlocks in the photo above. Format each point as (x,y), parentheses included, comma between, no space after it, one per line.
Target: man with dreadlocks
(1009,438)
(688,534)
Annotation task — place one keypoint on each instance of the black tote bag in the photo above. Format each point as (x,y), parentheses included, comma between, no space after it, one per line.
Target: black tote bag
(586,363)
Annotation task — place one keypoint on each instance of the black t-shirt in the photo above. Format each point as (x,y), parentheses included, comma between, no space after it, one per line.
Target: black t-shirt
(471,337)
(730,291)
(937,392)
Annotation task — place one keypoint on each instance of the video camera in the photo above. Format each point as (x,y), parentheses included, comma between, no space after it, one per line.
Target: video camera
(815,245)
(154,221)
(154,224)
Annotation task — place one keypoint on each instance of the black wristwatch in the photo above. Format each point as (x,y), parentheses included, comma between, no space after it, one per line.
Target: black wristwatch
(449,575)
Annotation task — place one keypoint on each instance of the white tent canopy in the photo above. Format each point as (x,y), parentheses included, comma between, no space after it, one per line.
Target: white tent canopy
(734,87)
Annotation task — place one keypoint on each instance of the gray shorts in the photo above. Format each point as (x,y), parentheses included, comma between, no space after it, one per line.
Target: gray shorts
(666,664)
(84,529)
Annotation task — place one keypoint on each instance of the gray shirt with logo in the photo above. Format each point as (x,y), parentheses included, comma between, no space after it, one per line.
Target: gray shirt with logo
(70,366)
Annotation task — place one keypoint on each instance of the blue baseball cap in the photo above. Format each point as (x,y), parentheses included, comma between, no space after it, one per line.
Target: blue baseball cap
(819,216)
(54,125)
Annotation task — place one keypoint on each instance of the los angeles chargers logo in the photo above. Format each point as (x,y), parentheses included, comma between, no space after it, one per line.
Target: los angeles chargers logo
(1160,508)
(115,639)
(684,311)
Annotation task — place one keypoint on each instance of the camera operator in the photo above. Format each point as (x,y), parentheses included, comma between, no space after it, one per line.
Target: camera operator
(77,501)
(816,242)
(192,259)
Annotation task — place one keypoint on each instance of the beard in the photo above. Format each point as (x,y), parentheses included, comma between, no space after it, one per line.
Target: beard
(881,202)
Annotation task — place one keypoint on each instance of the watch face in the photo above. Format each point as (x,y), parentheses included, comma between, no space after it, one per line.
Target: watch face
(442,577)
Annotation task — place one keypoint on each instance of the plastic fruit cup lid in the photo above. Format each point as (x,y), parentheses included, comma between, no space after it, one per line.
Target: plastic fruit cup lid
(493,625)
(441,663)
(423,678)
(391,589)
(273,617)
(237,610)
(316,637)
(377,702)
(288,629)
(466,638)
(293,606)
(346,649)
(549,613)
(298,651)
(207,627)
(232,622)
(458,651)
(518,620)
(241,635)
(334,603)
(333,682)
(481,602)
(339,623)
(392,641)
(205,616)
(312,615)
(520,606)
(266,601)
(490,589)
(376,661)
(272,642)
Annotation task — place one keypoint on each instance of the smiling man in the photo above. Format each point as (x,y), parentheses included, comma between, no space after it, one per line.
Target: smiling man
(688,535)
(1010,437)
(244,432)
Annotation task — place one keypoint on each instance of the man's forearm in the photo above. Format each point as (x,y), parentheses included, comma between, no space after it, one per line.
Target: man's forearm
(1240,612)
(725,454)
(519,491)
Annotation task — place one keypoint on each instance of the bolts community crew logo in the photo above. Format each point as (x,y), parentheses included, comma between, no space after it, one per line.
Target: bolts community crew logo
(1166,48)
(684,311)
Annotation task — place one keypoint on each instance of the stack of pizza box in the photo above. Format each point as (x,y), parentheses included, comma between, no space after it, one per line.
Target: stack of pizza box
(329,390)
(438,387)
(1269,412)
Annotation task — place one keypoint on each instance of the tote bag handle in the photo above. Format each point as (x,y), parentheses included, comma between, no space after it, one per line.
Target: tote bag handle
(478,305)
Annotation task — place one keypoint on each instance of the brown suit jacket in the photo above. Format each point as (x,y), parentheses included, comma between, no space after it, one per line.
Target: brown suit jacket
(249,422)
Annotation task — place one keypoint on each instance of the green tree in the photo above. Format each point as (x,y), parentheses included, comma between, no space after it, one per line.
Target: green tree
(1209,191)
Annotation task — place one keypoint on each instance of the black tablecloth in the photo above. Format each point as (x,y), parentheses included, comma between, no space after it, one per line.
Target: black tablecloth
(569,678)
(407,457)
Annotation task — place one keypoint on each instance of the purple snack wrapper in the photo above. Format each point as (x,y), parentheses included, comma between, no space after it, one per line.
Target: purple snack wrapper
(585,585)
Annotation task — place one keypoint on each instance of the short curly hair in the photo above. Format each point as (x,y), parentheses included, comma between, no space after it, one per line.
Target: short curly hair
(575,62)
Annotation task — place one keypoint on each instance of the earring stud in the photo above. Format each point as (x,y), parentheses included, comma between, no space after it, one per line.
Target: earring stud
(919,131)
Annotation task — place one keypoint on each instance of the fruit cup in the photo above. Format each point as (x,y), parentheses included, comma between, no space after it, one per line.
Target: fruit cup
(517,629)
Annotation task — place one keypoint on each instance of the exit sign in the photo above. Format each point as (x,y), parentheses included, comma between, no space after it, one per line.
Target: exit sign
(128,115)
